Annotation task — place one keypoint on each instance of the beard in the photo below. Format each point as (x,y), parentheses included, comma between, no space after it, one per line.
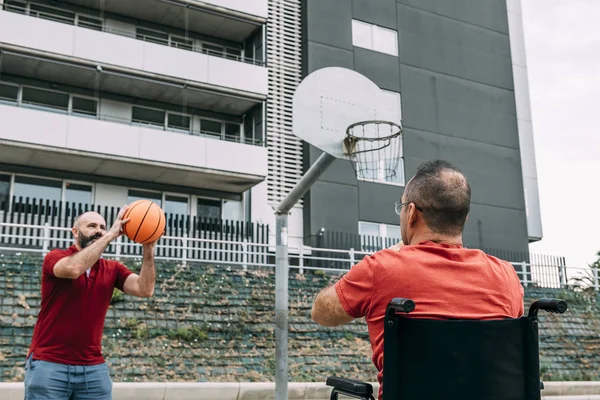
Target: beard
(85,241)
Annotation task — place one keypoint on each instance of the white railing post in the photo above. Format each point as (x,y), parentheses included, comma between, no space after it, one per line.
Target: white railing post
(301,258)
(46,241)
(118,248)
(352,255)
(596,272)
(184,252)
(244,254)
(524,273)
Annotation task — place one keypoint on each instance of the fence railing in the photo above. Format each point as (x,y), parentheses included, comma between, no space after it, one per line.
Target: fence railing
(245,253)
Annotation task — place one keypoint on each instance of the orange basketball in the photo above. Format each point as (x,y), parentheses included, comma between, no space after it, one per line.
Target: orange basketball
(146,221)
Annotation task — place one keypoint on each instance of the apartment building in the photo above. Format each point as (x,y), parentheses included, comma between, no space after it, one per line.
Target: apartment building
(106,102)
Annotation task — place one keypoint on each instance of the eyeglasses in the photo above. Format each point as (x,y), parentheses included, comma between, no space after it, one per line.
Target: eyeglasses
(398,206)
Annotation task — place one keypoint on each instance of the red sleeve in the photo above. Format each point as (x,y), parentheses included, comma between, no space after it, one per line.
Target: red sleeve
(50,261)
(355,289)
(122,274)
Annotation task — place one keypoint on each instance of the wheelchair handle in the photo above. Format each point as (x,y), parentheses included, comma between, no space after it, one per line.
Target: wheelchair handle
(399,305)
(557,306)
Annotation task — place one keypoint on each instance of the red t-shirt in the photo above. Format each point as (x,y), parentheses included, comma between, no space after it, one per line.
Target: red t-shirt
(445,281)
(71,318)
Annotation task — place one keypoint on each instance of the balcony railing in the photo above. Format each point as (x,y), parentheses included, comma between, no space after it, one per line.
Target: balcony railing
(126,121)
(65,16)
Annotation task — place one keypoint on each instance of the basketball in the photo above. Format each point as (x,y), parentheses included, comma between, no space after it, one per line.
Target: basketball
(146,221)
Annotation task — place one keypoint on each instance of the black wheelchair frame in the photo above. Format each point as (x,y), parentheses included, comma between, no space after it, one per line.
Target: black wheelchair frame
(456,359)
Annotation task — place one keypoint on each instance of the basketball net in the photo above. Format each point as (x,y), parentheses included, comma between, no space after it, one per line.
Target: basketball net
(375,149)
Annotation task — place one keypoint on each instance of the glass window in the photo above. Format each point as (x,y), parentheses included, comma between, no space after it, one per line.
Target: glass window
(8,92)
(4,191)
(134,195)
(232,210)
(385,40)
(368,229)
(374,37)
(399,178)
(210,127)
(178,122)
(37,188)
(361,34)
(150,35)
(182,43)
(45,98)
(393,101)
(176,205)
(209,208)
(232,132)
(213,49)
(84,106)
(148,116)
(15,6)
(391,231)
(78,193)
(54,14)
(89,22)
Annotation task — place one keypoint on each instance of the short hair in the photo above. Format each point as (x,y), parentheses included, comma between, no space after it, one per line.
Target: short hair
(443,193)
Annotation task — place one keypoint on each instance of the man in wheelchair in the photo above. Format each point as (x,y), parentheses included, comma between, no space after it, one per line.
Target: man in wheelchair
(437,280)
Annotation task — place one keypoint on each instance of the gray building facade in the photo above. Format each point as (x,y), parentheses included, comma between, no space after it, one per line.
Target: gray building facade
(453,70)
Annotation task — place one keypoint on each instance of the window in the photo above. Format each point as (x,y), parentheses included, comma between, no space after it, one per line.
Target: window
(209,208)
(4,191)
(375,235)
(148,116)
(178,122)
(83,106)
(176,205)
(232,210)
(182,43)
(394,101)
(152,36)
(232,132)
(37,188)
(78,193)
(210,127)
(51,13)
(374,37)
(135,195)
(86,21)
(45,98)
(16,6)
(9,92)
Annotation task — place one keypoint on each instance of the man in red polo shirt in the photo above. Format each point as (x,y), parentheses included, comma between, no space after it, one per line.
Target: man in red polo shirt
(429,266)
(65,357)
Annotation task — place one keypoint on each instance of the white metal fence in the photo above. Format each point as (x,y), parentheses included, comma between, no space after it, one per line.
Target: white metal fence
(41,238)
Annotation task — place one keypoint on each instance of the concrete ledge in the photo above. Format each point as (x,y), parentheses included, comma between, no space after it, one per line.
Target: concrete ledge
(266,391)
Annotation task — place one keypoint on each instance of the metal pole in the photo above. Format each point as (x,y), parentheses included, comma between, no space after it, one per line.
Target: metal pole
(282,271)
(281,308)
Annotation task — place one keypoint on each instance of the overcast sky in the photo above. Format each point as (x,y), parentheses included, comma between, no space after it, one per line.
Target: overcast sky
(562,39)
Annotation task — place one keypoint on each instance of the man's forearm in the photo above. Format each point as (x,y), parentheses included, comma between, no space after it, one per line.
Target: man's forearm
(148,272)
(85,259)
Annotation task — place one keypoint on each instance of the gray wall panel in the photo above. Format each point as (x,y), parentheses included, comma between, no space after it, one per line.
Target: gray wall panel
(381,68)
(328,22)
(376,202)
(335,207)
(321,56)
(378,12)
(454,48)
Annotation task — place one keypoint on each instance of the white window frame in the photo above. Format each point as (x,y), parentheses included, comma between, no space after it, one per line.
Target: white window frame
(372,39)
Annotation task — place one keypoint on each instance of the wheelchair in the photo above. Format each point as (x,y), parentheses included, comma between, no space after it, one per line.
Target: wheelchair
(456,359)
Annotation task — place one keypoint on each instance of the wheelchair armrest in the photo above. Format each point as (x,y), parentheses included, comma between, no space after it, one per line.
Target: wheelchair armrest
(399,305)
(551,305)
(350,387)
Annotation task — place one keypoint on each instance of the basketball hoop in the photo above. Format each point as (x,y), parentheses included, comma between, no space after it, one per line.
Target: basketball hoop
(375,148)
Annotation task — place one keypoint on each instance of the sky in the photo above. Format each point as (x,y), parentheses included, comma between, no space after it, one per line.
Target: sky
(562,42)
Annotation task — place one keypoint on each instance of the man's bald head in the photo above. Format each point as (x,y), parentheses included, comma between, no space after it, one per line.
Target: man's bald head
(88,227)
(443,193)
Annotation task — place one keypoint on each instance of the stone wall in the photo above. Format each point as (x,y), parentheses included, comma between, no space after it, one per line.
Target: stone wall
(217,324)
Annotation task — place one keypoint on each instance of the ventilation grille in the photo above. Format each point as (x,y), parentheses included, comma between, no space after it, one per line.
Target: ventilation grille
(284,61)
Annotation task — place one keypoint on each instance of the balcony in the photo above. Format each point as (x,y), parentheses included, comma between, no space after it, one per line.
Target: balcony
(85,45)
(63,141)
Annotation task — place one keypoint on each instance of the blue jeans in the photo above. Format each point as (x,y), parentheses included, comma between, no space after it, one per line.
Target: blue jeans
(51,381)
